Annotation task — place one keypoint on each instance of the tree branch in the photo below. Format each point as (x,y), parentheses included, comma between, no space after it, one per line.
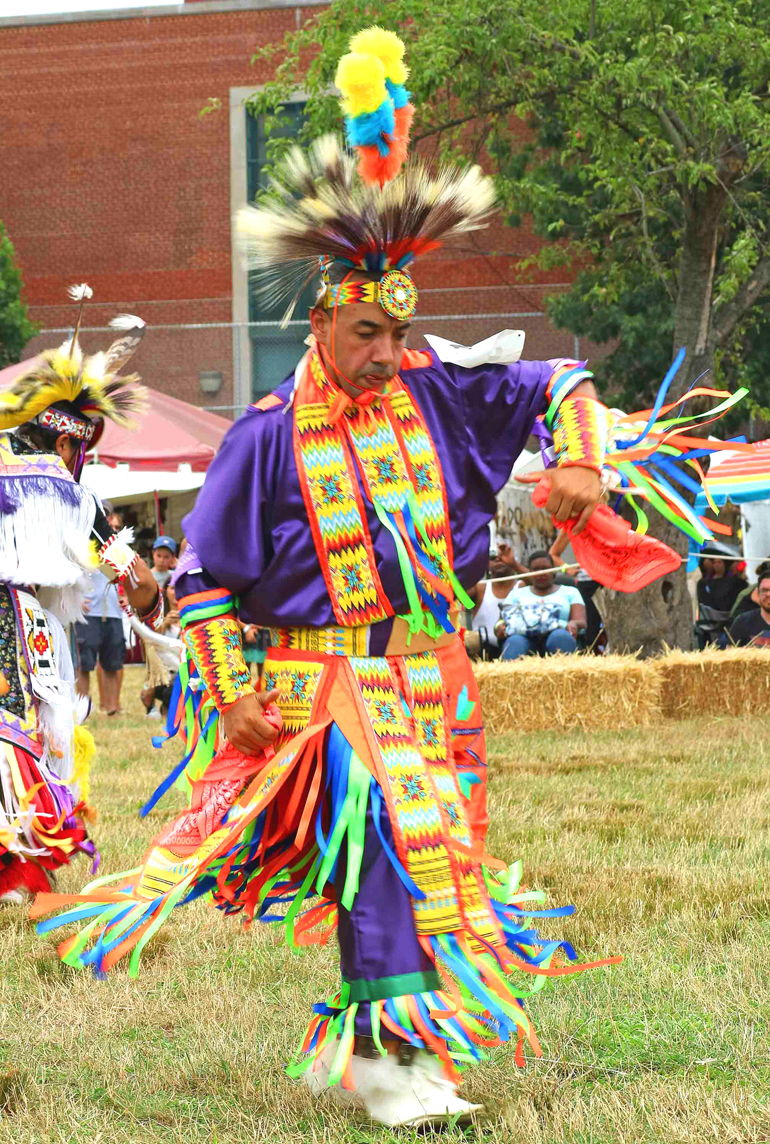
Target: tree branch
(730,313)
(682,128)
(479,113)
(673,135)
(648,248)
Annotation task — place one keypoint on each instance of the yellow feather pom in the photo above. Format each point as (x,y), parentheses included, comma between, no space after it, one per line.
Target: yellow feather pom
(63,362)
(92,559)
(361,79)
(30,395)
(387,47)
(84,751)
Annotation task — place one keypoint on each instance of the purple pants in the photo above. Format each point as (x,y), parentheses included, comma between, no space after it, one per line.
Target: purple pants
(380,955)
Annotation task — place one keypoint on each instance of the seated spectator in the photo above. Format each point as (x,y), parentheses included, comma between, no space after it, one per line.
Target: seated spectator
(752,629)
(541,617)
(748,599)
(163,559)
(717,591)
(488,596)
(595,638)
(256,641)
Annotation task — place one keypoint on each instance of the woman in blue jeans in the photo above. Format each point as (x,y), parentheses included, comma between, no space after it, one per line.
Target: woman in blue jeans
(543,617)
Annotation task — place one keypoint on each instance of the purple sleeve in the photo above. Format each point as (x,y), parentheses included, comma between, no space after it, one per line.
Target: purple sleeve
(500,404)
(229,528)
(189,577)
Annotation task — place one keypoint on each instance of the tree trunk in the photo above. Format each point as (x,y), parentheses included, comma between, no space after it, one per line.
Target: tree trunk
(697,265)
(661,615)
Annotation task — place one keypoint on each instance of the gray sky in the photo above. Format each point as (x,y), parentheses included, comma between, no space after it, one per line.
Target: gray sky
(45,7)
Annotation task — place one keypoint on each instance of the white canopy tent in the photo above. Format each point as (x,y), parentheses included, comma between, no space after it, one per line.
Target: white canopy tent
(122,485)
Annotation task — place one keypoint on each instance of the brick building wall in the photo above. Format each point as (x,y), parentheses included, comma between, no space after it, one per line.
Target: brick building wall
(112,176)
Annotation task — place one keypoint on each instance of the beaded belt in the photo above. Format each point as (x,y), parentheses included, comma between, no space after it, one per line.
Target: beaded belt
(325,641)
(356,641)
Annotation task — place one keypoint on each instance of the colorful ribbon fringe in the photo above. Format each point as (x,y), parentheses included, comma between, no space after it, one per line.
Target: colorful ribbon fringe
(652,453)
(264,834)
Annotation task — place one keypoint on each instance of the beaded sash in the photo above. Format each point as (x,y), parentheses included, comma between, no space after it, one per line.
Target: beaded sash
(401,477)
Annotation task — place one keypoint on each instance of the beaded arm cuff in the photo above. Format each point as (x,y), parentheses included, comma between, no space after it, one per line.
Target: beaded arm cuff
(580,428)
(566,377)
(213,639)
(154,617)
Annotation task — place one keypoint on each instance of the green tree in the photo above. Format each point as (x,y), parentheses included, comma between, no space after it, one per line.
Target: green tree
(636,137)
(15,327)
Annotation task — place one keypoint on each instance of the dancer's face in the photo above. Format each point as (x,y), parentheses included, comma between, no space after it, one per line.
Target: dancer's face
(361,344)
(67,448)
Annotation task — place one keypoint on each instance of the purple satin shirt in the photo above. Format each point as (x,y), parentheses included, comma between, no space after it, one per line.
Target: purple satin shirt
(249,526)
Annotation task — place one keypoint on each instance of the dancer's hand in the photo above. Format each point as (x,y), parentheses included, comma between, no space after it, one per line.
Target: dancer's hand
(245,724)
(573,493)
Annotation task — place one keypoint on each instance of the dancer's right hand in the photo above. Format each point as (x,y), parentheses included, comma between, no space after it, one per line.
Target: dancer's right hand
(245,724)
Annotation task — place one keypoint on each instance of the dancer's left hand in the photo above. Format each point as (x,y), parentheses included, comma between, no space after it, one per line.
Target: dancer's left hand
(573,492)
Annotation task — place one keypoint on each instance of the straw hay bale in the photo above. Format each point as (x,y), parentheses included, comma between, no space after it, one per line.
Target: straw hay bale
(563,691)
(731,682)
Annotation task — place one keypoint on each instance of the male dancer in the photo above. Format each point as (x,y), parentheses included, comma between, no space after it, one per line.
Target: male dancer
(346,512)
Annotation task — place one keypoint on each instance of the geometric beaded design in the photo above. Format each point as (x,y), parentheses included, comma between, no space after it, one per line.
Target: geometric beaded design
(426,699)
(216,649)
(296,682)
(580,432)
(397,459)
(415,811)
(337,520)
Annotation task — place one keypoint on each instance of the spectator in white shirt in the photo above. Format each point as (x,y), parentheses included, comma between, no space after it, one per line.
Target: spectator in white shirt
(541,617)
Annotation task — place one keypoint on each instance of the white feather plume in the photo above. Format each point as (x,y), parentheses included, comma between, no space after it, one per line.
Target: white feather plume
(127,322)
(81,292)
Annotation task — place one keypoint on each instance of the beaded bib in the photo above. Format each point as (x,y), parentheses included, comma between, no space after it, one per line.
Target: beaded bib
(388,443)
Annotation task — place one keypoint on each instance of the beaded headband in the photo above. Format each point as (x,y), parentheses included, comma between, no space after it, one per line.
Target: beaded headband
(395,292)
(62,422)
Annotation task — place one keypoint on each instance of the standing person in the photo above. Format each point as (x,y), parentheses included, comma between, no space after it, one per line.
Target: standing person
(345,512)
(541,617)
(115,516)
(163,559)
(162,660)
(51,528)
(100,639)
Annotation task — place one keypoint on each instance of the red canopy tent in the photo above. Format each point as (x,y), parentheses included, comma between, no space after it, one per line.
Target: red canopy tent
(171,433)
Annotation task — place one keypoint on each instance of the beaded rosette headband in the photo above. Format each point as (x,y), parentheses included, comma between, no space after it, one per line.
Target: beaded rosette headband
(395,292)
(367,211)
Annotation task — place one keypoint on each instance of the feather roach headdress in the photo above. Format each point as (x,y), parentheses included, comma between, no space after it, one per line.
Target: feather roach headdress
(370,212)
(72,392)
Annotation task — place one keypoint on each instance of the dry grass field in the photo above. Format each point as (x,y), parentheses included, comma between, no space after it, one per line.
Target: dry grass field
(660,837)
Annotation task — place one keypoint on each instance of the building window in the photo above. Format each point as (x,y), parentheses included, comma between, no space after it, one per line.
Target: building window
(274,352)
